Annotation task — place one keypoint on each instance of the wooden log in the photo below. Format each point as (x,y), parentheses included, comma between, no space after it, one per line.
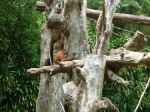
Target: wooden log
(115,78)
(121,18)
(136,43)
(118,17)
(62,67)
(40,6)
(125,58)
(129,58)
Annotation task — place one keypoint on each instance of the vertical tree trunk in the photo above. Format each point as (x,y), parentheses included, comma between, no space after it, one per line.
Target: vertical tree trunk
(48,97)
(92,75)
(72,12)
(66,21)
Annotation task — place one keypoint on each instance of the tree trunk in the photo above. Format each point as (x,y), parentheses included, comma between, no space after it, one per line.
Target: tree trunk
(48,97)
(118,17)
(68,17)
(82,91)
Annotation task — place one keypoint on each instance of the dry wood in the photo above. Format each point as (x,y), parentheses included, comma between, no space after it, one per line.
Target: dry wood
(93,74)
(99,105)
(48,97)
(69,17)
(121,18)
(118,17)
(55,21)
(112,76)
(40,6)
(129,58)
(111,106)
(136,43)
(125,58)
(53,69)
(70,91)
(104,27)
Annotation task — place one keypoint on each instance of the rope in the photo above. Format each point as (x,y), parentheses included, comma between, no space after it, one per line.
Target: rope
(142,96)
(127,30)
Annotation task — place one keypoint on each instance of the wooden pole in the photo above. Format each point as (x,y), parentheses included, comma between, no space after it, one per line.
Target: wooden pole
(118,17)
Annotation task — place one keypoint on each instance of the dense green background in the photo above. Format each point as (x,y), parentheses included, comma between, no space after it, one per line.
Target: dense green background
(126,98)
(20,28)
(19,50)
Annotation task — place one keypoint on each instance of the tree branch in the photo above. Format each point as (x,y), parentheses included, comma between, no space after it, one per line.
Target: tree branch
(126,58)
(62,67)
(121,18)
(70,91)
(112,76)
(99,105)
(118,17)
(111,106)
(136,43)
(129,58)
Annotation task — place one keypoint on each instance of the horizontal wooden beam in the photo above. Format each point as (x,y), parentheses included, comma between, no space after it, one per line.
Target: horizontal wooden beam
(121,18)
(118,17)
(126,58)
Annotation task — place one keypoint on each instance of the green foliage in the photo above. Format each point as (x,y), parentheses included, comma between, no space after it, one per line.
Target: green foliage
(136,7)
(91,33)
(94,4)
(129,6)
(19,50)
(119,40)
(126,98)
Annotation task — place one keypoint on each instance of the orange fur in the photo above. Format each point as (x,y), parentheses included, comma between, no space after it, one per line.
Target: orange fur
(62,55)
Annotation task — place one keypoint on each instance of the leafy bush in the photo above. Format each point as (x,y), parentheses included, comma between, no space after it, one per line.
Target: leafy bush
(19,50)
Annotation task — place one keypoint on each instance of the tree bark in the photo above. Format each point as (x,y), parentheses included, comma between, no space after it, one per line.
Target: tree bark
(68,17)
(125,58)
(121,18)
(118,17)
(49,99)
(66,22)
(92,74)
